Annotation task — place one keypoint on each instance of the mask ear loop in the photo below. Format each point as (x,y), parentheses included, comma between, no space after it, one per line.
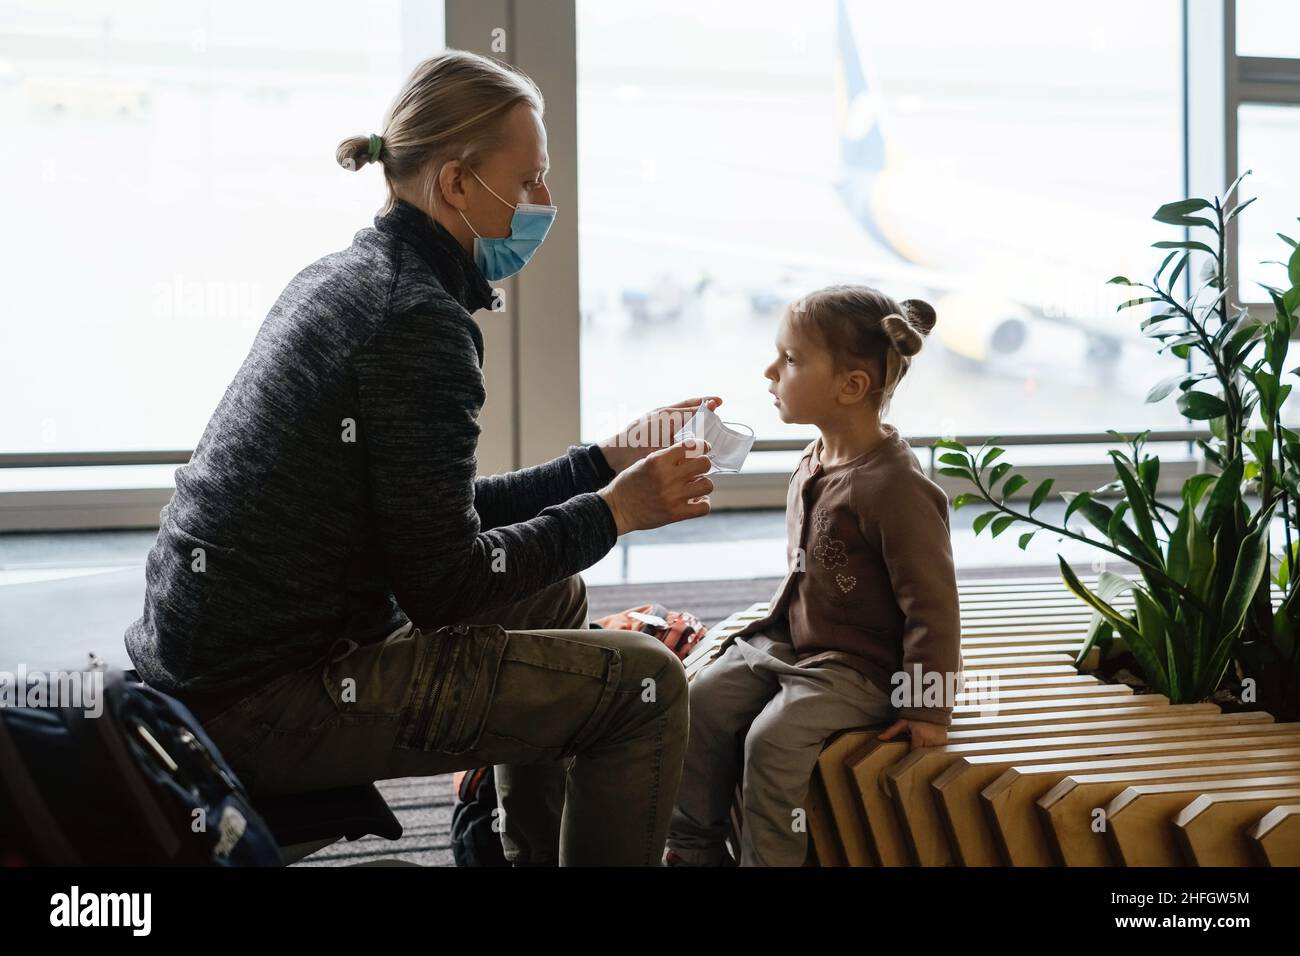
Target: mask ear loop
(704,407)
(740,425)
(467,222)
(489,189)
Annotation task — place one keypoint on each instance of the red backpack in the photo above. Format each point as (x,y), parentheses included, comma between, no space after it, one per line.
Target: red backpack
(680,630)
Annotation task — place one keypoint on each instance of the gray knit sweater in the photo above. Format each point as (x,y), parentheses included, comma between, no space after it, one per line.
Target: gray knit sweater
(334,491)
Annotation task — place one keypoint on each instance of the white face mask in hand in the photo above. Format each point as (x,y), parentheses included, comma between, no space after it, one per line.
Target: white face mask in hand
(727,448)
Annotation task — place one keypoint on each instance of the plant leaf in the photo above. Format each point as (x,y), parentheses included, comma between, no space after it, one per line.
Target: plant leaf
(1001,524)
(1183,244)
(1176,213)
(1109,586)
(1237,211)
(1235,183)
(1201,406)
(1153,649)
(1183,380)
(1117,620)
(1246,575)
(1226,493)
(1173,278)
(1137,502)
(1040,493)
(1195,486)
(978,524)
(1014,484)
(1074,501)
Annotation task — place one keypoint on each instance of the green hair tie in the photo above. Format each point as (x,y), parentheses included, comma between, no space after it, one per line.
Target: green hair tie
(376,144)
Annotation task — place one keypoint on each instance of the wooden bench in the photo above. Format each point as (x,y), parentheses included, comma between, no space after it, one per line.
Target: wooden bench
(1275,839)
(1012,801)
(1037,753)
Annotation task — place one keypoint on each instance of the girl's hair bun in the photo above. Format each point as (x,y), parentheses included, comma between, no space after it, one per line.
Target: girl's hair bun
(920,313)
(907,331)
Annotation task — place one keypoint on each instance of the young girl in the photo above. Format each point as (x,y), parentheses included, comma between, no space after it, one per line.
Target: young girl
(867,617)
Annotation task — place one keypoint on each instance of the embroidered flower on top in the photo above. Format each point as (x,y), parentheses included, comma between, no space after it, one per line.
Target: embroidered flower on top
(821,520)
(831,553)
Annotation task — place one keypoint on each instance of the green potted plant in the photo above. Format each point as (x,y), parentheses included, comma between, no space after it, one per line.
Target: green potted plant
(1208,590)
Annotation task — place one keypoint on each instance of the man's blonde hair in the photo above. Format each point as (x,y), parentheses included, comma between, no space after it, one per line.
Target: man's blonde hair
(450,108)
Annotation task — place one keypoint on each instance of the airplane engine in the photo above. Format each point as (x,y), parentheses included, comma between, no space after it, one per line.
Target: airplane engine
(980,328)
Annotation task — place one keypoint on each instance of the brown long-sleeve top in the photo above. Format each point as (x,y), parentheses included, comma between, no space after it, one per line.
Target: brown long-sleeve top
(871,581)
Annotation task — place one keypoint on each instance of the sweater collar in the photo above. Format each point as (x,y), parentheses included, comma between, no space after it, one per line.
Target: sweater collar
(892,442)
(453,265)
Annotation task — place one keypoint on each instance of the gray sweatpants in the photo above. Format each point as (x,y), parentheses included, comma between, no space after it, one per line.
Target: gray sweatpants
(789,712)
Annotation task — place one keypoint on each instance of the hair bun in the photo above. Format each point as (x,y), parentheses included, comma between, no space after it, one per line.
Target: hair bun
(905,339)
(907,331)
(921,314)
(353,153)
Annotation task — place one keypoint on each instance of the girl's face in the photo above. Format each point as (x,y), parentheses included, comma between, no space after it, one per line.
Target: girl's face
(805,385)
(803,381)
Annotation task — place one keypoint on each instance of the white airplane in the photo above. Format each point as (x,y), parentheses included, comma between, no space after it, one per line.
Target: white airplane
(984,265)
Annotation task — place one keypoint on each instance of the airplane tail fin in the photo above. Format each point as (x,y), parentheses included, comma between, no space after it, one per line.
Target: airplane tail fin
(862,141)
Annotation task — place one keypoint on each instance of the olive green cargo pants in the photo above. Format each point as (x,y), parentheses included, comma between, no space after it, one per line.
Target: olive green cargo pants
(587,728)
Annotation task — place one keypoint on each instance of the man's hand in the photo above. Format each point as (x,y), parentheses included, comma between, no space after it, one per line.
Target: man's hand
(922,733)
(651,432)
(660,488)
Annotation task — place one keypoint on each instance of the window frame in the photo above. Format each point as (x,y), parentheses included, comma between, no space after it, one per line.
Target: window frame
(1228,82)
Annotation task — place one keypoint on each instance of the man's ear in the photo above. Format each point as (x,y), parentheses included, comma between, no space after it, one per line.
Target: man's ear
(450,180)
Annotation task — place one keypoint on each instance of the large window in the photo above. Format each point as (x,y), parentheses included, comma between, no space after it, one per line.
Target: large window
(1265,104)
(168,168)
(1269,145)
(736,154)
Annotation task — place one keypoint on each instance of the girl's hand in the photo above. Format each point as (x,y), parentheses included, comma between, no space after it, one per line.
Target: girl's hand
(650,432)
(922,733)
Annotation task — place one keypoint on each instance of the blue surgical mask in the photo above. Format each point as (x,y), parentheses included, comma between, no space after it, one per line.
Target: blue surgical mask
(500,258)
